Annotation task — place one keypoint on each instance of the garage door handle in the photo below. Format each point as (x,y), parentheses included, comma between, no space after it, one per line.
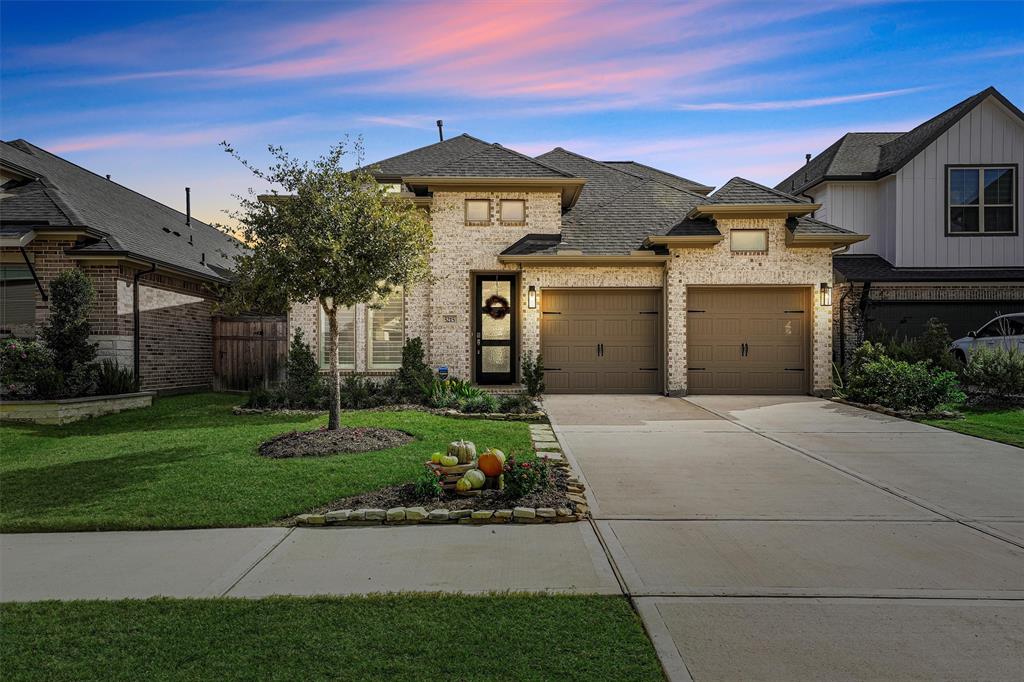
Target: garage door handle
(794,369)
(648,369)
(792,311)
(549,312)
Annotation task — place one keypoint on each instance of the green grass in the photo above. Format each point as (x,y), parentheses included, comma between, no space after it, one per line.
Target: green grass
(188,462)
(1004,426)
(392,637)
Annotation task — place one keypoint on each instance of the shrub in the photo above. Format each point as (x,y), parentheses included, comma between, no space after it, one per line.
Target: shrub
(49,383)
(356,392)
(995,374)
(303,386)
(389,392)
(485,402)
(67,329)
(428,485)
(519,403)
(533,374)
(20,361)
(414,376)
(259,398)
(931,346)
(438,394)
(522,478)
(876,378)
(112,379)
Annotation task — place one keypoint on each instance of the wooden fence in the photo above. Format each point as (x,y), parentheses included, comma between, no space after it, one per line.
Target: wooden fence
(249,351)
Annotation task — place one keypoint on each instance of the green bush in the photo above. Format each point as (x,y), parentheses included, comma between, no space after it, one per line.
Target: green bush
(414,377)
(67,329)
(20,361)
(485,402)
(356,392)
(876,378)
(49,383)
(112,379)
(533,374)
(518,403)
(428,485)
(522,478)
(932,346)
(995,374)
(303,386)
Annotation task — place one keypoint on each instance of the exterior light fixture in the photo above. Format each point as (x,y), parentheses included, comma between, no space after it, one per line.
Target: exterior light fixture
(826,294)
(531,297)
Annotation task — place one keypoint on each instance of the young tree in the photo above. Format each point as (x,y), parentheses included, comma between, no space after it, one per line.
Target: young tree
(328,235)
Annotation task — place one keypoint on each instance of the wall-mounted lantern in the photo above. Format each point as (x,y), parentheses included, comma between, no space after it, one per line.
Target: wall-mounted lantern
(531,297)
(826,294)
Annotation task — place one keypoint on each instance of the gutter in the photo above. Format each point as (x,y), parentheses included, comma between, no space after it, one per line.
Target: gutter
(35,277)
(136,331)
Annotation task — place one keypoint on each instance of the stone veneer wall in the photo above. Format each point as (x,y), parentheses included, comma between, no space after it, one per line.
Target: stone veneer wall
(718,266)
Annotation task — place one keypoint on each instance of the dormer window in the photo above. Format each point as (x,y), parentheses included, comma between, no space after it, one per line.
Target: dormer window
(981,200)
(478,211)
(513,211)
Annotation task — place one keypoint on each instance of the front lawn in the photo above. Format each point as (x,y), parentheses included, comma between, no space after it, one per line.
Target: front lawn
(393,637)
(188,462)
(1004,426)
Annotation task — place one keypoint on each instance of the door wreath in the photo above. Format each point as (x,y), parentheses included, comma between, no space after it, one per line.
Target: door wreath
(497,307)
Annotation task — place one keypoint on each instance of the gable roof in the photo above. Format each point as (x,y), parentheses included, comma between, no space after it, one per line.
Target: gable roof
(742,191)
(419,161)
(123,221)
(495,161)
(869,156)
(652,173)
(604,181)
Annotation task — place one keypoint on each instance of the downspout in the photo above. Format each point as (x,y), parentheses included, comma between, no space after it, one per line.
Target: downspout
(35,277)
(136,331)
(842,326)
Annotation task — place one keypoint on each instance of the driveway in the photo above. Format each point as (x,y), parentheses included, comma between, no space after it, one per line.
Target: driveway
(797,538)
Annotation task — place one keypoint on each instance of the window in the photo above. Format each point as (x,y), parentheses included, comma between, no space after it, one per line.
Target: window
(748,241)
(513,211)
(981,200)
(478,211)
(17,297)
(387,333)
(346,339)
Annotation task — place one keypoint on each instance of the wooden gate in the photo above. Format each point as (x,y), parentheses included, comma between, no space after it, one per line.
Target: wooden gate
(249,351)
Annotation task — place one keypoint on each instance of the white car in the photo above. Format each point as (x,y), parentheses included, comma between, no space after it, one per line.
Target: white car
(1005,331)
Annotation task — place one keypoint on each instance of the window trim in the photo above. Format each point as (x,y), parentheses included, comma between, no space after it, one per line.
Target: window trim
(322,360)
(476,223)
(981,198)
(501,212)
(370,364)
(732,249)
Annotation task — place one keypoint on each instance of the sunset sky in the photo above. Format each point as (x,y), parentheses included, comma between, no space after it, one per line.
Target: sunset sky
(145,91)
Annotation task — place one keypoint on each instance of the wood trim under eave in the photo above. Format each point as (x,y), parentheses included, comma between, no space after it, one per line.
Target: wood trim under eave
(141,263)
(561,260)
(754,210)
(822,240)
(695,241)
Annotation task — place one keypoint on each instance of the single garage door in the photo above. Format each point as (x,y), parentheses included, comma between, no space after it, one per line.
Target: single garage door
(747,340)
(601,340)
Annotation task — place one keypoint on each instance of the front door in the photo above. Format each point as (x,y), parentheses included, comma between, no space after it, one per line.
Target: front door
(495,306)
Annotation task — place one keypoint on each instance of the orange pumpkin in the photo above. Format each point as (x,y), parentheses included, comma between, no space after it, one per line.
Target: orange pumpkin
(491,462)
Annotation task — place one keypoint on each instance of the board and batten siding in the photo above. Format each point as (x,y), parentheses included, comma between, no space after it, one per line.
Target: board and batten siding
(855,206)
(989,134)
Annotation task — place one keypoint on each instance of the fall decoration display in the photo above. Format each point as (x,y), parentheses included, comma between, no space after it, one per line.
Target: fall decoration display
(492,462)
(463,450)
(449,461)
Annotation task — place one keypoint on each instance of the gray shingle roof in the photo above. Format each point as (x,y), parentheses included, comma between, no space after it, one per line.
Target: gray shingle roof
(808,225)
(873,155)
(132,223)
(604,182)
(533,244)
(35,202)
(743,191)
(495,161)
(865,268)
(419,161)
(652,173)
(693,227)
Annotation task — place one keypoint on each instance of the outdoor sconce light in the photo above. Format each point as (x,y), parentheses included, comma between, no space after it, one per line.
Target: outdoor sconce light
(531,297)
(826,294)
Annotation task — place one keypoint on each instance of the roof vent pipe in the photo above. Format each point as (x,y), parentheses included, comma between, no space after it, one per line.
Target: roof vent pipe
(188,206)
(108,176)
(440,129)
(807,158)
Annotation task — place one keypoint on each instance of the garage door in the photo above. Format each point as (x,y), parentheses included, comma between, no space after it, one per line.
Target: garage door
(747,340)
(601,340)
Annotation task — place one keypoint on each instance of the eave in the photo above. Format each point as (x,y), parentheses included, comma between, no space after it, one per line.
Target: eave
(17,241)
(834,241)
(579,259)
(569,188)
(754,210)
(128,258)
(689,241)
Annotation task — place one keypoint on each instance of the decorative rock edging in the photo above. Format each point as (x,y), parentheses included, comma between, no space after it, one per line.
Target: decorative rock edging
(455,414)
(68,410)
(902,414)
(544,443)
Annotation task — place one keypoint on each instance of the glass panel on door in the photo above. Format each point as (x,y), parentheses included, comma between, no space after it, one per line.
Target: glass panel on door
(495,332)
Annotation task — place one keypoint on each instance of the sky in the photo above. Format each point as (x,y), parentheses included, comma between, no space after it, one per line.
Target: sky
(146,91)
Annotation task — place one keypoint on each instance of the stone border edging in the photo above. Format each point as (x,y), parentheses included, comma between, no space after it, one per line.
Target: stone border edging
(902,414)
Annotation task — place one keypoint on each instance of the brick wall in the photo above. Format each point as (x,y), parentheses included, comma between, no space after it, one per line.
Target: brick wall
(720,266)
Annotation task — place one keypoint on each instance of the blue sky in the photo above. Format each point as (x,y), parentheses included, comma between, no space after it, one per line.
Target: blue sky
(146,90)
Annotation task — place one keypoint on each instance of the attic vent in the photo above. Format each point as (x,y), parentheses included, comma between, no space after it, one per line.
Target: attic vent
(176,233)
(167,230)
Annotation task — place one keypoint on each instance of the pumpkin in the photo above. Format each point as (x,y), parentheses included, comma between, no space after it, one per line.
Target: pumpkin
(476,478)
(492,462)
(464,450)
(449,461)
(436,457)
(463,485)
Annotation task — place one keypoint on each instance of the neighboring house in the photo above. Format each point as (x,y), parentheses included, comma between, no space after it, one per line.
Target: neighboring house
(154,269)
(942,206)
(626,278)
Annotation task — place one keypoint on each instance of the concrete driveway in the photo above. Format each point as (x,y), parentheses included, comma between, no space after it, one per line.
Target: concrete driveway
(797,538)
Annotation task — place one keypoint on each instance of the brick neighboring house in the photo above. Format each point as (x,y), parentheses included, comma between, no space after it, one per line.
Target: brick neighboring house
(628,279)
(942,206)
(154,269)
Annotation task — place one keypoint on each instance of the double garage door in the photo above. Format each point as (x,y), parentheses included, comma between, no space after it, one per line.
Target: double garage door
(741,340)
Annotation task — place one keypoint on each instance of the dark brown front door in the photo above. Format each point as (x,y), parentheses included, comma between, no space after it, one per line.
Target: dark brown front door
(601,340)
(747,340)
(495,306)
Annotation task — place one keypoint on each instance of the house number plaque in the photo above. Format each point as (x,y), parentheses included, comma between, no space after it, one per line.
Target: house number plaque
(449,318)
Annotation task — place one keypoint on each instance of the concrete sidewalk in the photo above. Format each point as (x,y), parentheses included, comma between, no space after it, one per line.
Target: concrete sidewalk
(255,562)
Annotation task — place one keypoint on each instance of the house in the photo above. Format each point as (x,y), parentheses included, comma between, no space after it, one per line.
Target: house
(942,206)
(628,279)
(155,269)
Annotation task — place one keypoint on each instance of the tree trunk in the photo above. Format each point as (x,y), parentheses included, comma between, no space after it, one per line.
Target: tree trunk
(334,420)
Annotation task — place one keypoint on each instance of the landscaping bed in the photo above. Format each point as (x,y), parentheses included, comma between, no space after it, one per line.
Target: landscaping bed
(321,442)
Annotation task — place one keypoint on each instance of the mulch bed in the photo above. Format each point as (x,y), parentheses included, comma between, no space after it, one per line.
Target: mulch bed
(323,442)
(554,496)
